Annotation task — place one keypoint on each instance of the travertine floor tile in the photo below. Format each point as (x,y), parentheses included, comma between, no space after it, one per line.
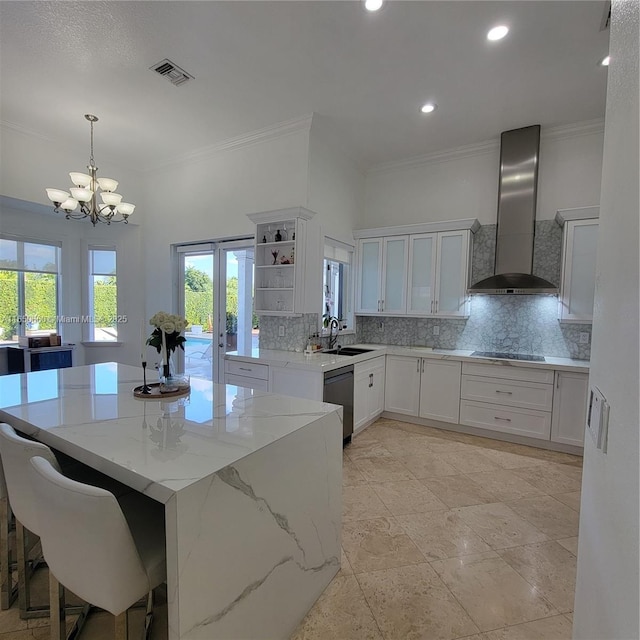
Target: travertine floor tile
(570,544)
(550,568)
(548,479)
(378,544)
(10,621)
(409,496)
(508,460)
(345,566)
(383,469)
(505,485)
(340,612)
(428,465)
(412,602)
(469,461)
(370,448)
(500,526)
(571,499)
(548,515)
(491,591)
(351,474)
(554,628)
(458,491)
(362,503)
(442,534)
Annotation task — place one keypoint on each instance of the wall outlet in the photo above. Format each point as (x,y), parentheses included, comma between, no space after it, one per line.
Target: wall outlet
(436,330)
(584,337)
(281,331)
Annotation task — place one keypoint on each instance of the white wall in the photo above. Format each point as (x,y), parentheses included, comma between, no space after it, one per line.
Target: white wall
(336,184)
(31,221)
(209,197)
(463,183)
(607,593)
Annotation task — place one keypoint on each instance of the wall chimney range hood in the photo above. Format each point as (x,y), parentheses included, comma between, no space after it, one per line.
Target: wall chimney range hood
(517,195)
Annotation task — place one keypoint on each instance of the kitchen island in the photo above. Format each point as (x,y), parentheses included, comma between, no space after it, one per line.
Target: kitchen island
(250,483)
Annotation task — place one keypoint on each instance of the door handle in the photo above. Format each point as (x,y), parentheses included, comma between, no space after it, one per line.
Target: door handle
(220,344)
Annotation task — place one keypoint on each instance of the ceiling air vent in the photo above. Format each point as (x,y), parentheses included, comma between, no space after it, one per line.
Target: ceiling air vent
(172,72)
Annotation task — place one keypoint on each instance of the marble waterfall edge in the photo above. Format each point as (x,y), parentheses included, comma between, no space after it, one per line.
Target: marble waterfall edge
(268,527)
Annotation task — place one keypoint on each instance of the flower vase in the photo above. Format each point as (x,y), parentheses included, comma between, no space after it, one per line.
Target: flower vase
(166,368)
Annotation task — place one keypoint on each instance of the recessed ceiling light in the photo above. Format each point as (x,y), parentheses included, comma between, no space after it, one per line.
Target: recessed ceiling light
(605,61)
(497,33)
(428,107)
(373,5)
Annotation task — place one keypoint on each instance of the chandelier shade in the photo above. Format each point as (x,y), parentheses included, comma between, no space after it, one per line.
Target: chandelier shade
(84,194)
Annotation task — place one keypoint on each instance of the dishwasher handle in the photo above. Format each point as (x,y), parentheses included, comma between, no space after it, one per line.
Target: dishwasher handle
(338,378)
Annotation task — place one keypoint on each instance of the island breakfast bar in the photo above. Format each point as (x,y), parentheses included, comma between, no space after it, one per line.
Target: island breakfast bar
(250,483)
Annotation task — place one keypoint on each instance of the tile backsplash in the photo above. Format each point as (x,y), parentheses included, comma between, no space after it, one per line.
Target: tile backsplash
(513,324)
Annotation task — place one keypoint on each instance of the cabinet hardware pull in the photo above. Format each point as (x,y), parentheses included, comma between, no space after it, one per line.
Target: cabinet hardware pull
(418,367)
(381,305)
(499,418)
(436,306)
(422,370)
(557,380)
(432,306)
(508,393)
(245,368)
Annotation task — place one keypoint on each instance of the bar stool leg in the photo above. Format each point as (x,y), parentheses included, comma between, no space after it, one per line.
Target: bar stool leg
(57,620)
(8,592)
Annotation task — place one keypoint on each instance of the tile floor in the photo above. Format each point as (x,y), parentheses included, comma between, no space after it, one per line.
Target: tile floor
(444,536)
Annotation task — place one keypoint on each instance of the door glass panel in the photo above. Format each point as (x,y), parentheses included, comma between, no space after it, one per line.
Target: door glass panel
(451,295)
(583,270)
(420,294)
(394,275)
(242,331)
(370,275)
(198,291)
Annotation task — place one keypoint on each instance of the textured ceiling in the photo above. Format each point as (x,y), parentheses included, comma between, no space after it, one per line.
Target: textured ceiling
(260,63)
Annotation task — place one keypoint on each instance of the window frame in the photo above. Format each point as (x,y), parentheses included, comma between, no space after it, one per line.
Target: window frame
(89,331)
(341,253)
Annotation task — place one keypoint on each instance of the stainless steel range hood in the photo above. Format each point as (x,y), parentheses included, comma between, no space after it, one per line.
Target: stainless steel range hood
(517,195)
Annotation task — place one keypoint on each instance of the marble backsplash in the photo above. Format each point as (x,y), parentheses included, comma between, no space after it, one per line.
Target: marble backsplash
(512,324)
(296,332)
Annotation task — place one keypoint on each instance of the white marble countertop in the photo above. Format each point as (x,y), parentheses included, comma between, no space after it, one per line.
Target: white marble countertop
(326,362)
(155,446)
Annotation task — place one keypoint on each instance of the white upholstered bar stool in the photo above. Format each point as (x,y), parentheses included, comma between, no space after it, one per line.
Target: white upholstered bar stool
(15,453)
(108,553)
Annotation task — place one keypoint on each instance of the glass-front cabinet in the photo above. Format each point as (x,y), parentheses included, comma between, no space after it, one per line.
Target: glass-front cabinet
(383,272)
(418,274)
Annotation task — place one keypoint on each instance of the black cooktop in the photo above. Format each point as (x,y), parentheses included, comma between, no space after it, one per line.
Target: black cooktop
(508,356)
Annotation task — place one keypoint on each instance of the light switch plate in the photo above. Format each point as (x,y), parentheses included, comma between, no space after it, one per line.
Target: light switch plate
(281,331)
(598,418)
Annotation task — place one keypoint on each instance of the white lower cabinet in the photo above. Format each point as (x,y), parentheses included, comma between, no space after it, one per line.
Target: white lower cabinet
(569,408)
(423,387)
(296,382)
(515,400)
(368,391)
(247,374)
(440,390)
(402,385)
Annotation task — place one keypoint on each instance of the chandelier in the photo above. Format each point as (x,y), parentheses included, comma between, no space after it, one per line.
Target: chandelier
(84,194)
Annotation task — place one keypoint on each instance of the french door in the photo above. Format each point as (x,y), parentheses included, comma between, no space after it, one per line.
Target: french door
(215,295)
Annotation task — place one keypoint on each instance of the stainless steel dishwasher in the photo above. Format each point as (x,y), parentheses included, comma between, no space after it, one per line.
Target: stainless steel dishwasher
(338,389)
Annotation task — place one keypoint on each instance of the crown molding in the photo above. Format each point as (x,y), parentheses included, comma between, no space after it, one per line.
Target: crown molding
(258,136)
(588,127)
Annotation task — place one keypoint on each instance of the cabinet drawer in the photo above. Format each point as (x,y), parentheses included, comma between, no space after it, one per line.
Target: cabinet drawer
(513,393)
(508,372)
(248,383)
(523,422)
(247,369)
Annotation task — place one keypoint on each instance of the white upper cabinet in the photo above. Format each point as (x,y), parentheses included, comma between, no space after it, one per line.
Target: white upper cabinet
(575,303)
(418,274)
(382,267)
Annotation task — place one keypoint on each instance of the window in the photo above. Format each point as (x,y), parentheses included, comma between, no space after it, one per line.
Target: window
(338,258)
(29,280)
(103,295)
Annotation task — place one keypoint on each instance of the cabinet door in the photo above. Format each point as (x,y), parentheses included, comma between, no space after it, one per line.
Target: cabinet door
(394,277)
(421,280)
(361,393)
(369,275)
(578,270)
(247,383)
(569,408)
(402,385)
(440,390)
(377,389)
(452,273)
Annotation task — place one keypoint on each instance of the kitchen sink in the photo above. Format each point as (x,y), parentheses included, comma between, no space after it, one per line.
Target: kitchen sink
(347,351)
